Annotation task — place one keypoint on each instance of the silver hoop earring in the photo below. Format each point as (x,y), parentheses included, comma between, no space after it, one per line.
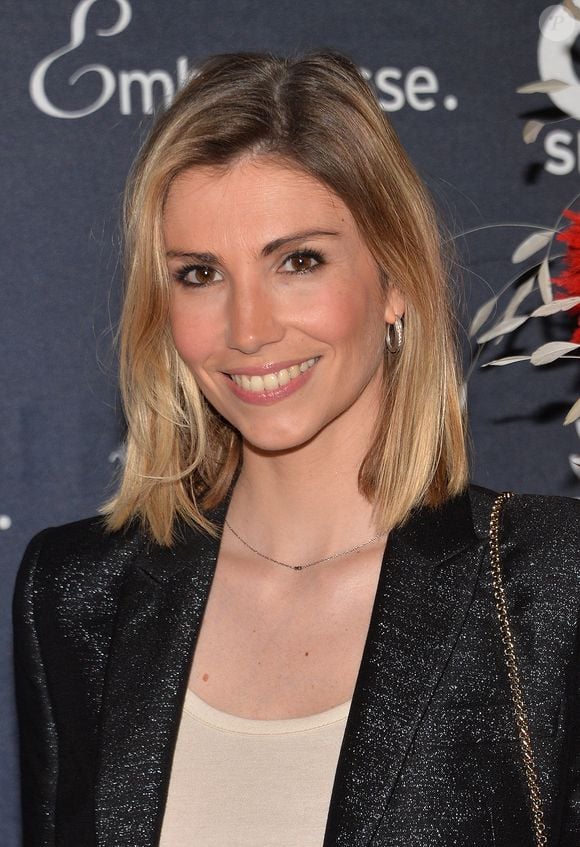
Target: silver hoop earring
(394,346)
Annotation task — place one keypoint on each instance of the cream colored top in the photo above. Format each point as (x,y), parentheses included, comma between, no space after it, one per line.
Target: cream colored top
(237,782)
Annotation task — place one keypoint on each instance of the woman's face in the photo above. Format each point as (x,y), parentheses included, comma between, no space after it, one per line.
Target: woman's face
(276,306)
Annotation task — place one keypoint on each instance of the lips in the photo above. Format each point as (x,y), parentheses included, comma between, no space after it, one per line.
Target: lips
(272,380)
(282,383)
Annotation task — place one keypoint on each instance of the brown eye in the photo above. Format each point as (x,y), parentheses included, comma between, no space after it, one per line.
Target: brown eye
(198,276)
(302,262)
(202,274)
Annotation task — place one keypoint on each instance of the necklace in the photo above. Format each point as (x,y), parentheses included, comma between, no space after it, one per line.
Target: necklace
(307,564)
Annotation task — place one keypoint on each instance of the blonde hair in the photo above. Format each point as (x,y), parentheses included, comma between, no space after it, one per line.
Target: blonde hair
(318,114)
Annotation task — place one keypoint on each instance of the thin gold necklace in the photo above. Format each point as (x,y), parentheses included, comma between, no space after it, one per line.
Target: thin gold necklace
(307,564)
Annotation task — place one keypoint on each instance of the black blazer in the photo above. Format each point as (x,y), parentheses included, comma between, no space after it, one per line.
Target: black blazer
(105,629)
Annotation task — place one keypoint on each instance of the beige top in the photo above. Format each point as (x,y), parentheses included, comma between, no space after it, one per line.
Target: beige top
(251,783)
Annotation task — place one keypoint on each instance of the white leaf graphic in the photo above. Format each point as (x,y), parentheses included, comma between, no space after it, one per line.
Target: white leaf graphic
(522,292)
(520,295)
(481,316)
(550,352)
(507,360)
(545,282)
(531,130)
(502,328)
(574,413)
(531,245)
(555,306)
(543,86)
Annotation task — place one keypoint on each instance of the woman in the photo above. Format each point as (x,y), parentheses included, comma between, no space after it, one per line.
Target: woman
(289,630)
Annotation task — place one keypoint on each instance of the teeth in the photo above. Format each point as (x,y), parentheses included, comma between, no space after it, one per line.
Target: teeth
(271,381)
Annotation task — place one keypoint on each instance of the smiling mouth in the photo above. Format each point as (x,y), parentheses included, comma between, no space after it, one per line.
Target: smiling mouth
(272,381)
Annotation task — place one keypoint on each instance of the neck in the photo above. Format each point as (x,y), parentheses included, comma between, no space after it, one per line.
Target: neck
(304,504)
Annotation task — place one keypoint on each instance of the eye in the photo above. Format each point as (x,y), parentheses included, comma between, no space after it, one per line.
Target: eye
(302,262)
(197,276)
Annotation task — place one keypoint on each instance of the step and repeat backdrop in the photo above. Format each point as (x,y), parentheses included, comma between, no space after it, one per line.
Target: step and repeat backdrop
(80,83)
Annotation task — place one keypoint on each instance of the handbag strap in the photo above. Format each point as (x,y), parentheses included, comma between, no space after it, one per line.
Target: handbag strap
(521,717)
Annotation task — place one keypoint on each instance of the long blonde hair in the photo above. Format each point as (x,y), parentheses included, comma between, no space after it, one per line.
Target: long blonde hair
(317,113)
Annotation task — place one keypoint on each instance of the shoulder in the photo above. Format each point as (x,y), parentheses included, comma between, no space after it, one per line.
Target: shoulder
(63,566)
(539,534)
(537,517)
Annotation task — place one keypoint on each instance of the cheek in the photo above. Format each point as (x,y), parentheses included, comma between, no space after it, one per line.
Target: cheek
(193,335)
(351,320)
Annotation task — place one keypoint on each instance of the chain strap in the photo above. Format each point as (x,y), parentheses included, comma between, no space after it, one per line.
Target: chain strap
(521,716)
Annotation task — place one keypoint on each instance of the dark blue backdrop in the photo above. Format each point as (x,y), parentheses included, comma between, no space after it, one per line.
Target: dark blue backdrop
(77,89)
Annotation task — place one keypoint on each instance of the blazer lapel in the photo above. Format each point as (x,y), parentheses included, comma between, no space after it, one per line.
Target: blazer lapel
(159,616)
(427,581)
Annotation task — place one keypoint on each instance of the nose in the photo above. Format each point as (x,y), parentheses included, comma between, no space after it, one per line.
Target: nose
(252,320)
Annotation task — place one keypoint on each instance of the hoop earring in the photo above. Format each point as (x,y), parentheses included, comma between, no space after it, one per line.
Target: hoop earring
(394,346)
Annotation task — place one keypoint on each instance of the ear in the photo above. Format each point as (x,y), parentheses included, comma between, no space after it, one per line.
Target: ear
(394,304)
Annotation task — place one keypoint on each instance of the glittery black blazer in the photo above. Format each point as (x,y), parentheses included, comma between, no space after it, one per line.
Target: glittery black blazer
(105,629)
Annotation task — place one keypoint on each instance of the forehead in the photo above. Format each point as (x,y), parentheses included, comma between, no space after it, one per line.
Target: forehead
(260,196)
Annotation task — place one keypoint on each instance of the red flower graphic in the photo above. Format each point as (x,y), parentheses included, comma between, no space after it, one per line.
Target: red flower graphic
(569,279)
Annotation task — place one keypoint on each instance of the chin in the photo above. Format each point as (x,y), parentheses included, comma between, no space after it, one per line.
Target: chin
(276,441)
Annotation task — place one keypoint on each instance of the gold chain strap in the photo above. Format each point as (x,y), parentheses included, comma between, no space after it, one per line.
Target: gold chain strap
(521,716)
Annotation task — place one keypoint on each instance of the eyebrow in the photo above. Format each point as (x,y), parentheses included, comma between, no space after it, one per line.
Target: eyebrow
(267,250)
